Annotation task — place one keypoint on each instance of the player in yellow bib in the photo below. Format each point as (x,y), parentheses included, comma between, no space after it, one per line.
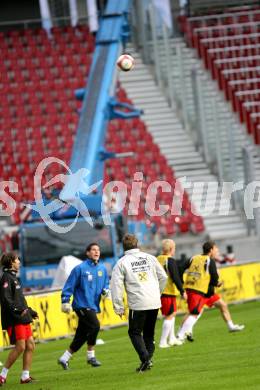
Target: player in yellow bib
(173,288)
(201,272)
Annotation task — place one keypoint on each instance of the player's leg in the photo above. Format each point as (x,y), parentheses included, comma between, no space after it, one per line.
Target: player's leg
(195,305)
(166,330)
(136,322)
(11,359)
(148,330)
(167,310)
(17,337)
(189,335)
(223,307)
(27,360)
(93,327)
(172,339)
(79,339)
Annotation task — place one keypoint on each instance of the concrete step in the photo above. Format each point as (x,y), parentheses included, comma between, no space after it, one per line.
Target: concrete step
(167,112)
(204,179)
(180,159)
(219,221)
(149,99)
(191,166)
(173,149)
(149,112)
(167,128)
(189,173)
(161,121)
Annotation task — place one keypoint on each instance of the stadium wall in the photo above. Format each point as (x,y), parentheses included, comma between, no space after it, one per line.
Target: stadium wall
(240,283)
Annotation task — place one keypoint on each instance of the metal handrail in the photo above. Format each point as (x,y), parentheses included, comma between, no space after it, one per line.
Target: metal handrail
(235,59)
(229,37)
(244,81)
(247,92)
(225,15)
(226,26)
(241,70)
(233,48)
(249,104)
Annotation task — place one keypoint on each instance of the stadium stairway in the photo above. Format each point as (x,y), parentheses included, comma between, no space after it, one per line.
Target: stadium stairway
(178,147)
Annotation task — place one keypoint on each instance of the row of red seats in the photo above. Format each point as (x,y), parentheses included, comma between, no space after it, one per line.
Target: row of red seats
(223,31)
(237,16)
(44,51)
(28,68)
(236,68)
(35,40)
(42,85)
(246,73)
(60,31)
(228,41)
(230,52)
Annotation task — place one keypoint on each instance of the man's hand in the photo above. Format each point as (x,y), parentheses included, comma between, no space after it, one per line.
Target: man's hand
(120,312)
(106,293)
(219,284)
(24,312)
(66,307)
(184,296)
(34,313)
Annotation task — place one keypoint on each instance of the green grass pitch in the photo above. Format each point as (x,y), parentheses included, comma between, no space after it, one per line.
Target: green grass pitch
(216,360)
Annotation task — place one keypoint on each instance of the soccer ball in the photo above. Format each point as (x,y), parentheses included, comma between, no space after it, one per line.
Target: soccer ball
(125,62)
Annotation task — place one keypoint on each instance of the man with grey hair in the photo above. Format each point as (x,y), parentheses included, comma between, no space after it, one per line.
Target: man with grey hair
(144,280)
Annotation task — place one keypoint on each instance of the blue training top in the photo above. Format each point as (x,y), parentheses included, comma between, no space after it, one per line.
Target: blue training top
(86,283)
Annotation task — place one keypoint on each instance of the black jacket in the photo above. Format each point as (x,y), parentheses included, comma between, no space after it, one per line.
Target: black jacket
(13,302)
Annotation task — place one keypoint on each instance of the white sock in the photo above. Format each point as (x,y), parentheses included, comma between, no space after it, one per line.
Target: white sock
(199,315)
(4,372)
(187,326)
(25,375)
(230,324)
(166,330)
(196,321)
(66,356)
(172,332)
(90,354)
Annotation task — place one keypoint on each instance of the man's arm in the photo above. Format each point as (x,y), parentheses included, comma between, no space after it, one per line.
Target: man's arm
(174,274)
(70,285)
(106,290)
(182,266)
(106,280)
(214,277)
(161,274)
(8,298)
(117,289)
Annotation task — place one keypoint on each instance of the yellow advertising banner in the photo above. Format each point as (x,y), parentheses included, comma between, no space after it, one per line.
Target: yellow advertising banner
(53,323)
(240,282)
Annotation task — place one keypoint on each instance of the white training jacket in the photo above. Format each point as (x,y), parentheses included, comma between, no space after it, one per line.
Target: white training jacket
(143,278)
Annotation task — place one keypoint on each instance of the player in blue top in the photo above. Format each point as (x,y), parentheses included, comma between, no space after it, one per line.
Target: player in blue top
(87,282)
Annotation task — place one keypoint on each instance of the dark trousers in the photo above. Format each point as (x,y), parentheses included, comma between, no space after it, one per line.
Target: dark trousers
(87,330)
(141,332)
